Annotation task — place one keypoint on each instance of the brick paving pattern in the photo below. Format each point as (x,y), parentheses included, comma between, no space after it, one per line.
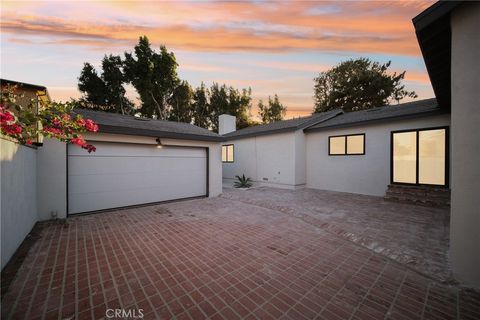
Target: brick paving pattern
(414,235)
(218,259)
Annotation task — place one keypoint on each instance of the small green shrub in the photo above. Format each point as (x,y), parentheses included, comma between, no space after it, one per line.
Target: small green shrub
(243,182)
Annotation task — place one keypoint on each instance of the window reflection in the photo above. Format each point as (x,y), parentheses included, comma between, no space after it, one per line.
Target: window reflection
(431,157)
(405,157)
(337,145)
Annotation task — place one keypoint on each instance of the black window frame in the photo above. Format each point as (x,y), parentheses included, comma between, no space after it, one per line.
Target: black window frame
(226,152)
(417,160)
(346,145)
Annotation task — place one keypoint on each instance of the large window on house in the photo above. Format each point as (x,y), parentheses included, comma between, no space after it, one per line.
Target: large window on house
(420,156)
(352,144)
(227,153)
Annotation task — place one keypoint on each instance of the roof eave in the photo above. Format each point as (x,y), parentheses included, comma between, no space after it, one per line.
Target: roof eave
(432,28)
(157,133)
(375,121)
(433,13)
(260,133)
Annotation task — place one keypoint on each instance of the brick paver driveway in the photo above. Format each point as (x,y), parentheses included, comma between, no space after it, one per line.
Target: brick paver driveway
(221,259)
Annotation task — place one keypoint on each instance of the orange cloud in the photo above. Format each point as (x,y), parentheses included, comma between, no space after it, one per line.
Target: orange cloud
(235,26)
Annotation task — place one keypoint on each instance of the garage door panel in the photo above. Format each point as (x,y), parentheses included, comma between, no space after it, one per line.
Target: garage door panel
(120,177)
(147,176)
(78,165)
(136,150)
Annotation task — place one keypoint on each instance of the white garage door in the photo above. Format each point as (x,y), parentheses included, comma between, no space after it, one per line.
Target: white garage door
(119,175)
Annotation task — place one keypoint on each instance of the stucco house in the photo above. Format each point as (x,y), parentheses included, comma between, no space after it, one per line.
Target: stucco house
(357,152)
(428,146)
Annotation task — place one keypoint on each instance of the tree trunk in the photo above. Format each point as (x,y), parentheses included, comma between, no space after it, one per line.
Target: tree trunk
(156,103)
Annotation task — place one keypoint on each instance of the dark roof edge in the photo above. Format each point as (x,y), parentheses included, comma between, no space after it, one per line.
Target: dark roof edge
(307,124)
(311,123)
(158,134)
(24,84)
(375,121)
(433,13)
(261,133)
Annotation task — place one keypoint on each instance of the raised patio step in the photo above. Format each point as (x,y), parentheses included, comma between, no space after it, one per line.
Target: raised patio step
(419,195)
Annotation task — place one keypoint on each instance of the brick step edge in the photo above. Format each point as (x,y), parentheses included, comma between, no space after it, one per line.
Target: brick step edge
(418,194)
(422,202)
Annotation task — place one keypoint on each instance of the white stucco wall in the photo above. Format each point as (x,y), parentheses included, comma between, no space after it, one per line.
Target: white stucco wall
(364,174)
(269,160)
(52,180)
(465,201)
(300,159)
(18,204)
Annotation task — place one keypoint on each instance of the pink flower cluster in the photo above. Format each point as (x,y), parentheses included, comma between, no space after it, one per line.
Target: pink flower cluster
(80,141)
(7,123)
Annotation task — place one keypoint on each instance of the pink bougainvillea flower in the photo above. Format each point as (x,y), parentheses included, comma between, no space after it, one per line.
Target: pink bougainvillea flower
(5,115)
(29,141)
(79,141)
(11,129)
(91,126)
(56,121)
(89,148)
(52,130)
(81,122)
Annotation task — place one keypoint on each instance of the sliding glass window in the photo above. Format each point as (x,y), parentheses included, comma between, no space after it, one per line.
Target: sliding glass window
(420,157)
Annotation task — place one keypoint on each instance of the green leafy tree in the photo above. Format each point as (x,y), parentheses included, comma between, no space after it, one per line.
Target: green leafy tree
(92,87)
(104,92)
(181,103)
(114,80)
(274,111)
(201,107)
(154,76)
(358,84)
(228,100)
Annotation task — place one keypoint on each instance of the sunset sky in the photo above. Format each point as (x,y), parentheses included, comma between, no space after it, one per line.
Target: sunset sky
(272,47)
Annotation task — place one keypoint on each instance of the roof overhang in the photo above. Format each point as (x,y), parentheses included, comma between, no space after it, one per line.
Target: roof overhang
(41,91)
(433,31)
(157,134)
(260,133)
(376,121)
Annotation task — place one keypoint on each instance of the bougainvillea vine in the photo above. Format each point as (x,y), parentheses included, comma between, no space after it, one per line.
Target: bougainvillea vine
(54,120)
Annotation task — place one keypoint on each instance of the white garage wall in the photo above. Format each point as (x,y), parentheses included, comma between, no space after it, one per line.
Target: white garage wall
(18,196)
(364,174)
(268,160)
(52,180)
(52,169)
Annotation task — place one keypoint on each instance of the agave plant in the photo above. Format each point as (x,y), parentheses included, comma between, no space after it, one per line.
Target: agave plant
(243,182)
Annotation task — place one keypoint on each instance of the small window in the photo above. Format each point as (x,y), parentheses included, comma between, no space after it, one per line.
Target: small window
(227,153)
(337,145)
(353,144)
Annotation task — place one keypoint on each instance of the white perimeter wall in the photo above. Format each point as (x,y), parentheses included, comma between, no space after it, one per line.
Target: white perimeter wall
(365,174)
(18,196)
(269,160)
(52,179)
(465,202)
